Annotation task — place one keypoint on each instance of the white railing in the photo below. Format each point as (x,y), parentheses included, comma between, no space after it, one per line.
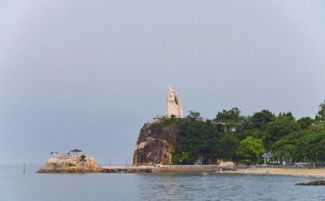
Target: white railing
(64,156)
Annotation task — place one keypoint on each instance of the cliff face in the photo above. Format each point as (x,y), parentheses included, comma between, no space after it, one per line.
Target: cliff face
(57,164)
(155,144)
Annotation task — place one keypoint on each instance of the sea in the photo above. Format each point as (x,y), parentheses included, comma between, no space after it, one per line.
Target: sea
(31,186)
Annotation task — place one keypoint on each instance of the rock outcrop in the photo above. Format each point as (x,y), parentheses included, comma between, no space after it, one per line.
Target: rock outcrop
(155,144)
(313,183)
(70,164)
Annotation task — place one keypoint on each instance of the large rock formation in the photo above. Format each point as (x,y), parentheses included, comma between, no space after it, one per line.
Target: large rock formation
(69,164)
(155,143)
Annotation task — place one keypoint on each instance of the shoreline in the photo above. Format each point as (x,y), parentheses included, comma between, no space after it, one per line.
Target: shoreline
(299,172)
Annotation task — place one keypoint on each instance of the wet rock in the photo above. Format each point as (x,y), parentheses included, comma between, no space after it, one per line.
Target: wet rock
(313,183)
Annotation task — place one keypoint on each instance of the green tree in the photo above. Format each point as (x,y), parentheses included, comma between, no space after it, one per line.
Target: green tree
(182,158)
(82,157)
(305,122)
(260,119)
(321,112)
(196,139)
(251,148)
(83,160)
(256,133)
(288,115)
(194,115)
(317,126)
(287,146)
(226,147)
(281,127)
(232,115)
(312,146)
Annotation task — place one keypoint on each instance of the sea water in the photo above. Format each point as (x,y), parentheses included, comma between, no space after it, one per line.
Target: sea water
(16,186)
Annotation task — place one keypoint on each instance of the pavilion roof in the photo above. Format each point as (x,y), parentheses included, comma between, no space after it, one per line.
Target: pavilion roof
(76,150)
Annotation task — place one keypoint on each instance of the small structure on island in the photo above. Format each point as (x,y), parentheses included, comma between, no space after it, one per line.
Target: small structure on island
(173,104)
(75,153)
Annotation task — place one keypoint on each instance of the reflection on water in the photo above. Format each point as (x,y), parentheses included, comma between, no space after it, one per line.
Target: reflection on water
(16,186)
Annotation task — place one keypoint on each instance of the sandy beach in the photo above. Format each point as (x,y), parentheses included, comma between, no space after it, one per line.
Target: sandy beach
(305,172)
(282,171)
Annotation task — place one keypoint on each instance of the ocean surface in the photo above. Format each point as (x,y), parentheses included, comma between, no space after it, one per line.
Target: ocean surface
(16,186)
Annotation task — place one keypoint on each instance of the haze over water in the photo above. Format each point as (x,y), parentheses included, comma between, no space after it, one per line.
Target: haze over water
(14,186)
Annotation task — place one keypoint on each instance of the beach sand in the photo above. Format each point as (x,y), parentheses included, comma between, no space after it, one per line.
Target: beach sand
(282,171)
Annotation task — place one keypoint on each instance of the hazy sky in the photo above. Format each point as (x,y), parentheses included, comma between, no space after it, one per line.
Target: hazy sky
(89,74)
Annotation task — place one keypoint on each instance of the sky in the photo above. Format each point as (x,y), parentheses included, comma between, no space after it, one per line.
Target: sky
(88,74)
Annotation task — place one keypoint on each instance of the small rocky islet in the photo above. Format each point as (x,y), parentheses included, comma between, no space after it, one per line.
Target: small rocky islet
(73,162)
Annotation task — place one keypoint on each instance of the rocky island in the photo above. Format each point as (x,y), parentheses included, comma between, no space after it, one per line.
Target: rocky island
(73,162)
(272,141)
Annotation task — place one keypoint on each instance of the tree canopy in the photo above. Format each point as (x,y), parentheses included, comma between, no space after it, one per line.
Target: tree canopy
(206,141)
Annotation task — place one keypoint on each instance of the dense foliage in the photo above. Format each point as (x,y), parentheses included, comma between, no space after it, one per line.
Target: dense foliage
(231,136)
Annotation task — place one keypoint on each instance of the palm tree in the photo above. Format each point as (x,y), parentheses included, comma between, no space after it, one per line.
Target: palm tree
(83,159)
